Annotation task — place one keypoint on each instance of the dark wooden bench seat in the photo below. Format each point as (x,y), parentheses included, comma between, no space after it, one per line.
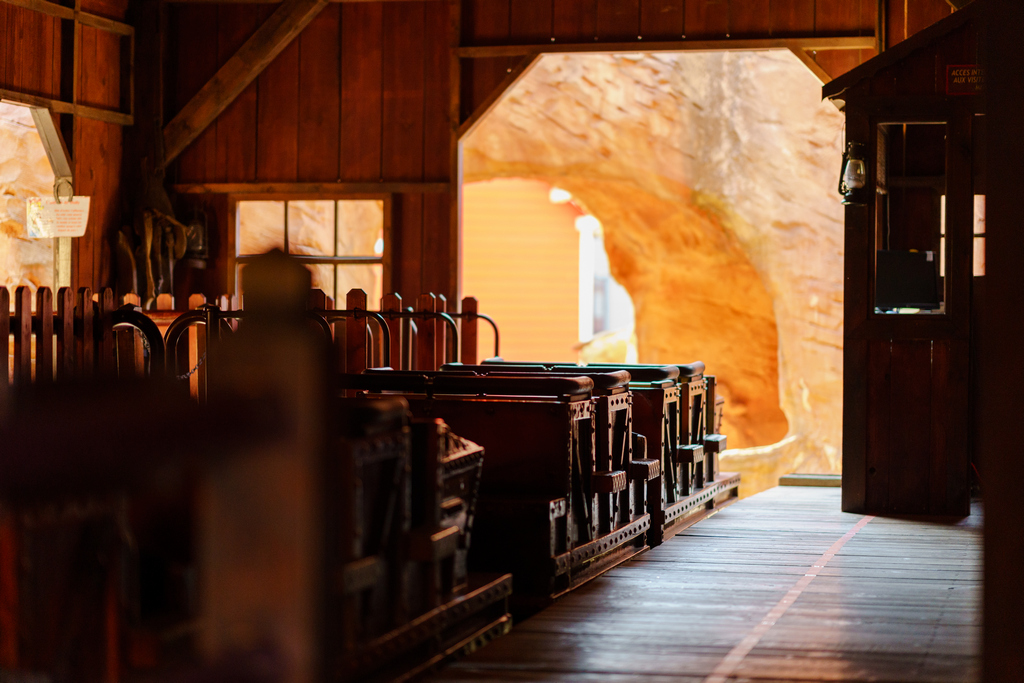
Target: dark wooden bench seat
(672,407)
(540,514)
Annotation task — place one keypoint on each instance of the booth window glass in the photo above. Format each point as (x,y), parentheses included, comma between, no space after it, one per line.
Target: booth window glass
(910,247)
(323,232)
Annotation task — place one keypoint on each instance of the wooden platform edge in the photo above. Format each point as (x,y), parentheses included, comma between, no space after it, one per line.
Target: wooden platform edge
(463,624)
(795,479)
(723,492)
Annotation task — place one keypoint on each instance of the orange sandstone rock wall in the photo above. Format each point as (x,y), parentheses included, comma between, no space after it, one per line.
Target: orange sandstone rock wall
(24,172)
(714,177)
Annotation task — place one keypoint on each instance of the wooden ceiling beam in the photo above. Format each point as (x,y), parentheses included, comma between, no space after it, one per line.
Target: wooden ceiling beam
(812,43)
(257,2)
(314,189)
(241,69)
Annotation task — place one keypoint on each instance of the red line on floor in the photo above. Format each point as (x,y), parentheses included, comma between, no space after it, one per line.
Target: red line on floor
(731,661)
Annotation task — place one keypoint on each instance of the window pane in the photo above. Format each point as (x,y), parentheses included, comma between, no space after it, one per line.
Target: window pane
(360,226)
(370,279)
(311,228)
(911,250)
(260,227)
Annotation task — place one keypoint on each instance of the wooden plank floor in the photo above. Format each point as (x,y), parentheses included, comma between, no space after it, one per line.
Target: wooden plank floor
(782,586)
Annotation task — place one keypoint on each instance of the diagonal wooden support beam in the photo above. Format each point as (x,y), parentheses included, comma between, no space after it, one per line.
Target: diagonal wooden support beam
(238,72)
(811,64)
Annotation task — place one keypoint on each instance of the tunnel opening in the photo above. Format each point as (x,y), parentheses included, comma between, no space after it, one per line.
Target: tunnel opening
(712,176)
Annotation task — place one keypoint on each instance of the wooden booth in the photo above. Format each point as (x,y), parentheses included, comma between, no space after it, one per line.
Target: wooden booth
(915,239)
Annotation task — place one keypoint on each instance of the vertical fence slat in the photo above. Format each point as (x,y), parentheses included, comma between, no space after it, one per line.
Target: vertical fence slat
(85,355)
(65,333)
(317,300)
(22,336)
(469,331)
(425,345)
(355,332)
(5,325)
(164,302)
(440,332)
(393,303)
(44,335)
(197,339)
(104,329)
(131,361)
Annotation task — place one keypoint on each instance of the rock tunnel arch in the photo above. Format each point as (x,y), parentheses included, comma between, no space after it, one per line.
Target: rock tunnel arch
(713,175)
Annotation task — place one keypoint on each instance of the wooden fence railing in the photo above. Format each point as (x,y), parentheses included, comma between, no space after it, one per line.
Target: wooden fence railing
(79,335)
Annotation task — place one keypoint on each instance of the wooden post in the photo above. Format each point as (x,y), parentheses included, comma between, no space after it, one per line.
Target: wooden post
(197,342)
(44,335)
(470,352)
(131,361)
(85,357)
(317,300)
(440,333)
(164,302)
(22,336)
(105,331)
(355,333)
(65,333)
(393,303)
(426,358)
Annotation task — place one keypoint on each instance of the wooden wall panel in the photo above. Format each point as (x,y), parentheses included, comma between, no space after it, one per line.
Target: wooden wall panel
(910,424)
(29,43)
(319,98)
(403,88)
(236,128)
(707,19)
(6,29)
(879,415)
(662,19)
(194,66)
(574,21)
(618,19)
(407,246)
(904,19)
(436,125)
(97,174)
(100,73)
(791,17)
(436,246)
(531,20)
(487,22)
(749,18)
(361,62)
(277,122)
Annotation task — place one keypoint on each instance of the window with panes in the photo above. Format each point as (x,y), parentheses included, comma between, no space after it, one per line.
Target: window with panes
(342,241)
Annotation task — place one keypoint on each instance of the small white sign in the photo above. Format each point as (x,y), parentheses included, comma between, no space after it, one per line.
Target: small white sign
(47,218)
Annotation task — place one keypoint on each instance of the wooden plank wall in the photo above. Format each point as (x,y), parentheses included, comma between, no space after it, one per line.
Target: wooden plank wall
(361,96)
(546,22)
(30,51)
(98,149)
(32,61)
